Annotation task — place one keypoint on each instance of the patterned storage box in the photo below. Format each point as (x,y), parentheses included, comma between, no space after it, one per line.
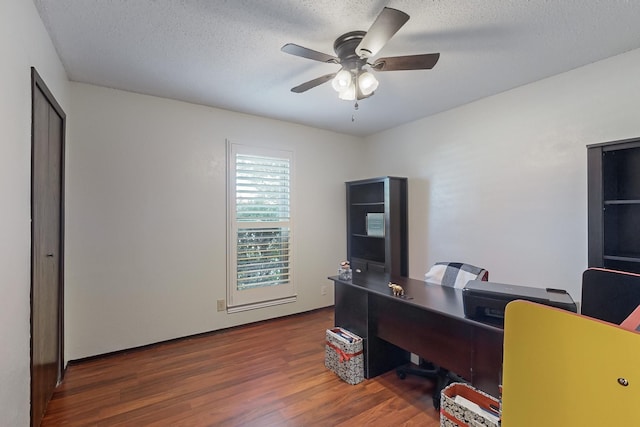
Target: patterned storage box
(454,414)
(343,355)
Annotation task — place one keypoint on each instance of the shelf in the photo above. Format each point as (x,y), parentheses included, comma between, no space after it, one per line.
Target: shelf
(368,204)
(622,202)
(622,258)
(377,204)
(614,205)
(620,174)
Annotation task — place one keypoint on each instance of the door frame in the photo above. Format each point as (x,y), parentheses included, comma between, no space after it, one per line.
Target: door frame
(38,84)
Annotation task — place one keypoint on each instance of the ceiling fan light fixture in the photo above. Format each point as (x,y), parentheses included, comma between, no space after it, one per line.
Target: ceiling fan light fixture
(342,81)
(348,94)
(367,83)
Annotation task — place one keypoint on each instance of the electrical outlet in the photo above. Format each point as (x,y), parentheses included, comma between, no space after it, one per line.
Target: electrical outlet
(414,358)
(323,290)
(221,305)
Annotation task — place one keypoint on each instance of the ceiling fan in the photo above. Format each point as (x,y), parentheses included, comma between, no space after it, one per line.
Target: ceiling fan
(354,51)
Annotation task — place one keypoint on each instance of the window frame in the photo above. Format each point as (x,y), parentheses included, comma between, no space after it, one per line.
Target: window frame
(256,297)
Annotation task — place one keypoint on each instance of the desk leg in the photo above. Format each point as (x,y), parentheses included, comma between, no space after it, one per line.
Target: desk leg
(384,356)
(487,360)
(353,313)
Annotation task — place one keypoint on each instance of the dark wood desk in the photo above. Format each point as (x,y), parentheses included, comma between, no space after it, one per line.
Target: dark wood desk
(429,321)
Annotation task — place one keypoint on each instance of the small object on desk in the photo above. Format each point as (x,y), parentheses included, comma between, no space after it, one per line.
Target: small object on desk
(344,272)
(396,289)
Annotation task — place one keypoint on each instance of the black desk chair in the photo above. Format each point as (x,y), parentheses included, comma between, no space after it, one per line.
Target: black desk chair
(456,275)
(609,295)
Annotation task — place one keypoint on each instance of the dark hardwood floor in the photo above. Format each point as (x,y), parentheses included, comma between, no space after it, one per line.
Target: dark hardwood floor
(265,374)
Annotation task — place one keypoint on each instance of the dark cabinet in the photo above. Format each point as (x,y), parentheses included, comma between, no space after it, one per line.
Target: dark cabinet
(614,205)
(377,225)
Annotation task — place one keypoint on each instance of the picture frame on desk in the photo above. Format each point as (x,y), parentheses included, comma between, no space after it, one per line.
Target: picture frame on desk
(375,224)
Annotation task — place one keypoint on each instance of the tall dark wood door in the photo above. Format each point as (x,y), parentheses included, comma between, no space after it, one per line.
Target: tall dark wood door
(47,248)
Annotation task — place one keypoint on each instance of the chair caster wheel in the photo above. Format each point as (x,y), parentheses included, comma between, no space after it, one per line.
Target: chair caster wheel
(401,374)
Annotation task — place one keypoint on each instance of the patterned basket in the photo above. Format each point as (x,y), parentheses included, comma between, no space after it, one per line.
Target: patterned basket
(453,414)
(343,355)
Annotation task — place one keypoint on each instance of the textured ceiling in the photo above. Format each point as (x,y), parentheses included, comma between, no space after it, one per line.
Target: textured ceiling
(227,53)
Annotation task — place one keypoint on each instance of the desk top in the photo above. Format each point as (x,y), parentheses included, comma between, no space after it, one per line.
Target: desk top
(442,299)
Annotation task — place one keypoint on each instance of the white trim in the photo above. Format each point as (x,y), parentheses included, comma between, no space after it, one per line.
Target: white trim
(246,307)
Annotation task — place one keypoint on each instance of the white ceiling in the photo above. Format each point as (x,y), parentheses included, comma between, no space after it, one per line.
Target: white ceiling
(226,53)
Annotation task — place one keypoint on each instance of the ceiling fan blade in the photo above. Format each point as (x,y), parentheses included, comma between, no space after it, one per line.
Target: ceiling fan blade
(409,62)
(384,27)
(294,49)
(313,83)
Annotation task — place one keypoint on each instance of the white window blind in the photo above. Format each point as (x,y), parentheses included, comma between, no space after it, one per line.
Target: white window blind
(260,232)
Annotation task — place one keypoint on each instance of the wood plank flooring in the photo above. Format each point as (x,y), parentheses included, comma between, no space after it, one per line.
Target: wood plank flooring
(265,374)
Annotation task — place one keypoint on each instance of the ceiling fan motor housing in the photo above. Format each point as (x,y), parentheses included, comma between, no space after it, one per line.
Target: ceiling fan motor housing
(345,48)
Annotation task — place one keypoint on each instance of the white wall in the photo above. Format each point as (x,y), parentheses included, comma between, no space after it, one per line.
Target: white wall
(146,248)
(23,43)
(502,182)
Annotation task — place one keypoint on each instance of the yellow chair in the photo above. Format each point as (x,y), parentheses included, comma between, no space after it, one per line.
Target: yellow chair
(565,369)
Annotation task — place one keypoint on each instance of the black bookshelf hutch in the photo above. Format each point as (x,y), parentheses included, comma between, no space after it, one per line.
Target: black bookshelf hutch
(614,205)
(377,225)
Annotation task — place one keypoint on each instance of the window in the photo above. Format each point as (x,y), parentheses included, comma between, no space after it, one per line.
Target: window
(260,231)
